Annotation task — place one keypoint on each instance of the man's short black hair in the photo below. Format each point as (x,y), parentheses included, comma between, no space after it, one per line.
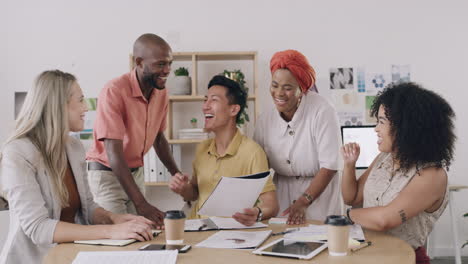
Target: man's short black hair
(235,94)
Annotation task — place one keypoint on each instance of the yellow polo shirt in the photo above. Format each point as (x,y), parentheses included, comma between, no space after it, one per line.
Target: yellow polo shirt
(243,157)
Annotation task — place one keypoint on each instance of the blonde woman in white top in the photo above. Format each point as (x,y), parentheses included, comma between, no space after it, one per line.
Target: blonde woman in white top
(43,174)
(301,140)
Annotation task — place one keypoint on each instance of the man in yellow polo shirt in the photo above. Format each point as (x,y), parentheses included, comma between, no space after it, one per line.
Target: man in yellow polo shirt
(228,154)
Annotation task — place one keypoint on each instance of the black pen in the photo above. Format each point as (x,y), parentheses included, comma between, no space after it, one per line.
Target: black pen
(201,227)
(361,246)
(285,232)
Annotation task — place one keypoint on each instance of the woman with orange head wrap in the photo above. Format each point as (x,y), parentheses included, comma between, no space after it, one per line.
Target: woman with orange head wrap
(301,140)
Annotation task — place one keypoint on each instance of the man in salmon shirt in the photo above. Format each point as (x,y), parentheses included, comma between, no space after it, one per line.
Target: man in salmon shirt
(131,117)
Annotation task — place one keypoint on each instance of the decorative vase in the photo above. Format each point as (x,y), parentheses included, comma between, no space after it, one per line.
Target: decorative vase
(182,85)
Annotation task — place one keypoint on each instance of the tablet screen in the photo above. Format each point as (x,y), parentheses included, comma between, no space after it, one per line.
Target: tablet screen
(293,247)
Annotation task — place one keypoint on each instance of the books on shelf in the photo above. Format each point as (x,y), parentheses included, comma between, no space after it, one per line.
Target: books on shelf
(154,169)
(192,133)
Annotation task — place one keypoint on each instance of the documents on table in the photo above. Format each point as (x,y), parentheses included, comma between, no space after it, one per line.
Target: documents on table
(235,239)
(233,194)
(319,232)
(111,242)
(217,223)
(278,220)
(124,257)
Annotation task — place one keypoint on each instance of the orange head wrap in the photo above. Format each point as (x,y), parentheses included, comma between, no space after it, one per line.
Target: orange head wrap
(297,64)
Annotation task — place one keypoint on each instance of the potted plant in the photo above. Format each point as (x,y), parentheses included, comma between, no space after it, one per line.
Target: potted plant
(239,77)
(193,121)
(182,83)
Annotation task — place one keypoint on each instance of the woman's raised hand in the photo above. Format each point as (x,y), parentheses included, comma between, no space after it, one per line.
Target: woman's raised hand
(350,153)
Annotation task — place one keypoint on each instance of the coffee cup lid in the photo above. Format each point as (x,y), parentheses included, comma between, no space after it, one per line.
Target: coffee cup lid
(337,220)
(175,214)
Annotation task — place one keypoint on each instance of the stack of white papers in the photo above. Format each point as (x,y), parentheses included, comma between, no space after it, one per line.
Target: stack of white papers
(111,242)
(124,257)
(235,239)
(246,189)
(217,223)
(319,232)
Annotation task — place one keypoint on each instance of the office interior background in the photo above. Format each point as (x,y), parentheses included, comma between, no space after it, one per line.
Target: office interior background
(93,40)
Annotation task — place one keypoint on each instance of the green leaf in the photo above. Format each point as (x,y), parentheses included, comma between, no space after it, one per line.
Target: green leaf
(247,118)
(182,71)
(466,243)
(465,215)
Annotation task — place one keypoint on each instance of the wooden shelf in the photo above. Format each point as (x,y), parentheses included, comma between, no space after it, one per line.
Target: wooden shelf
(156,183)
(195,98)
(219,55)
(184,141)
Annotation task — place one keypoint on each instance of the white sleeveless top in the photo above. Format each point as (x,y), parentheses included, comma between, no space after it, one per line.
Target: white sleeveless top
(381,188)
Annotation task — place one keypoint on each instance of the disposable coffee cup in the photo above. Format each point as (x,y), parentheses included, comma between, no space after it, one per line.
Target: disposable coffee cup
(174,223)
(338,234)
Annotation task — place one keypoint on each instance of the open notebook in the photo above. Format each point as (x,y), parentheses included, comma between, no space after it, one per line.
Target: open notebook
(112,242)
(217,223)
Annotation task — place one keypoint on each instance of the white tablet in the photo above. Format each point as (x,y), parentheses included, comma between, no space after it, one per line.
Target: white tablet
(291,249)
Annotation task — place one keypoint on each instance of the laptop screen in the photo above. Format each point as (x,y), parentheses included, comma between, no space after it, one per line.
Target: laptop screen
(366,137)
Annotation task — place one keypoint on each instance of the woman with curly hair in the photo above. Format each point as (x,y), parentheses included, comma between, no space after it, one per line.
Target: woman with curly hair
(404,191)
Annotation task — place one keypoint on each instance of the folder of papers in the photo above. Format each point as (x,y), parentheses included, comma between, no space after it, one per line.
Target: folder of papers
(245,190)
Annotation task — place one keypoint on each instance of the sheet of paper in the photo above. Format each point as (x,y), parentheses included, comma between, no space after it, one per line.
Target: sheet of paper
(111,242)
(319,232)
(214,223)
(231,223)
(278,220)
(123,257)
(233,194)
(235,239)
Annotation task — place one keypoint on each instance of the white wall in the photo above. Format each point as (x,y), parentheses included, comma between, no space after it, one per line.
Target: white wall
(92,39)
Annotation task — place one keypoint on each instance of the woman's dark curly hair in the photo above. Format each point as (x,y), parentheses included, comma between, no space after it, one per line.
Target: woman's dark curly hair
(421,122)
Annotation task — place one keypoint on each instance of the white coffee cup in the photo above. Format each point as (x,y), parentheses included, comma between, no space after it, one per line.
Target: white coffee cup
(174,224)
(338,234)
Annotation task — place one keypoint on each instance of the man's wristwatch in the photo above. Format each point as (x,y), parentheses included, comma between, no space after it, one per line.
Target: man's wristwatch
(308,197)
(260,214)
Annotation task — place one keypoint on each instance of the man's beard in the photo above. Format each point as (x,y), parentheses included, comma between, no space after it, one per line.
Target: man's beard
(150,80)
